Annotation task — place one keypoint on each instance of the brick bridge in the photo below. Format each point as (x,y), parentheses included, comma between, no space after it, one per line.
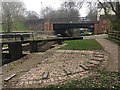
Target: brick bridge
(62,27)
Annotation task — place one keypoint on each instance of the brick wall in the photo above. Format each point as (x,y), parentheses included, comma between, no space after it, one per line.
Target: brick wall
(48,26)
(102,26)
(96,28)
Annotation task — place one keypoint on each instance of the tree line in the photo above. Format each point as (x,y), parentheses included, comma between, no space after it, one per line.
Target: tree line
(16,12)
(68,12)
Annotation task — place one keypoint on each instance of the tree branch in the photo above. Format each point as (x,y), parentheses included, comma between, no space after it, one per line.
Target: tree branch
(105,10)
(112,6)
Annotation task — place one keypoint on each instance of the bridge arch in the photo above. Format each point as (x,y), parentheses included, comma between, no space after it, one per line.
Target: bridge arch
(60,28)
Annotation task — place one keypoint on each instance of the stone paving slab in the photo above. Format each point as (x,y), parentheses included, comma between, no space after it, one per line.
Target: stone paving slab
(93,62)
(55,64)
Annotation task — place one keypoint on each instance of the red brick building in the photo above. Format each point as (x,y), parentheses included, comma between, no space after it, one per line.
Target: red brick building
(102,26)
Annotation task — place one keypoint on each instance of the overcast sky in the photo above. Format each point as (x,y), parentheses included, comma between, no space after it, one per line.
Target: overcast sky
(36,5)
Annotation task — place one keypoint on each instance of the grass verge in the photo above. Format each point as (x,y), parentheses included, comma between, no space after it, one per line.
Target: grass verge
(88,44)
(104,79)
(113,40)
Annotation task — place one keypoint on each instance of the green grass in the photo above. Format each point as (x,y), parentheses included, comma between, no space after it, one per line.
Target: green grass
(1,28)
(102,80)
(88,44)
(19,27)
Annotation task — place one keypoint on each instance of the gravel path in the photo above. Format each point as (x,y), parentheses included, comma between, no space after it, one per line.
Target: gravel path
(112,49)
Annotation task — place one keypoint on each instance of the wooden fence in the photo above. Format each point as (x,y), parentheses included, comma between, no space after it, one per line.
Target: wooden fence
(115,35)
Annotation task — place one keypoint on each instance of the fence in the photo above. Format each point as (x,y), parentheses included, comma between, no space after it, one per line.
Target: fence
(115,35)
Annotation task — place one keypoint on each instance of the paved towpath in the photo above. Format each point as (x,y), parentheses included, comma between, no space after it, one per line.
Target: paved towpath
(113,50)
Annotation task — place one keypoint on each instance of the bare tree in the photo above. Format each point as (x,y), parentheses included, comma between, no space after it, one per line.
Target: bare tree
(71,10)
(79,4)
(92,13)
(46,12)
(31,15)
(11,12)
(68,12)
